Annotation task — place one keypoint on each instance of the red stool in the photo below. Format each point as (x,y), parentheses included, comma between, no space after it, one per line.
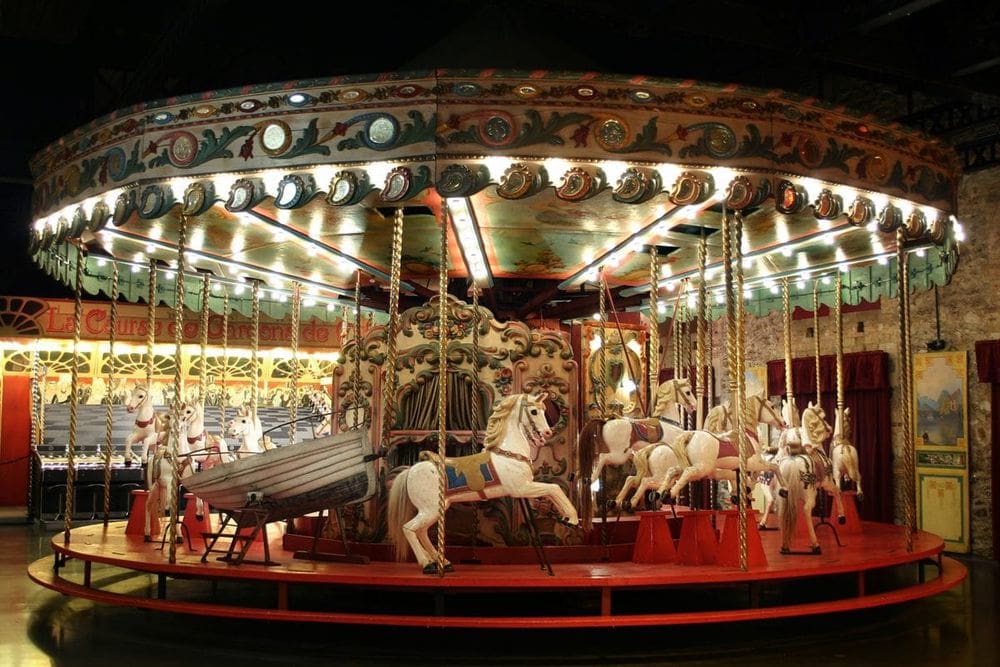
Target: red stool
(136,525)
(853,520)
(653,542)
(195,527)
(698,544)
(729,546)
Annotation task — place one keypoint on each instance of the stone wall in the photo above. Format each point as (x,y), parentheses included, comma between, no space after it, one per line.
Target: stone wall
(969,312)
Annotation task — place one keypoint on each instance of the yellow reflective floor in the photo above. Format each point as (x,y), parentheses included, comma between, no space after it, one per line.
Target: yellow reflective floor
(40,627)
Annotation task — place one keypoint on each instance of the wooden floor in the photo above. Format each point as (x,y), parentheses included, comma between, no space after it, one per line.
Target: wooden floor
(872,568)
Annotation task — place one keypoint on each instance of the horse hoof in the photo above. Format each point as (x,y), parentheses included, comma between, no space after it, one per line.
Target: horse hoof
(786,550)
(816,550)
(861,497)
(128,463)
(734,499)
(761,526)
(431,568)
(448,567)
(147,538)
(612,504)
(841,519)
(199,517)
(783,493)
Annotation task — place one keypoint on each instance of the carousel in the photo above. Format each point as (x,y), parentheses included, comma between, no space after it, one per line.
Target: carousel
(537,411)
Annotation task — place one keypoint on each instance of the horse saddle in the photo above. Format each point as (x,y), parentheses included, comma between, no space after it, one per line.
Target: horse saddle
(646,430)
(467,473)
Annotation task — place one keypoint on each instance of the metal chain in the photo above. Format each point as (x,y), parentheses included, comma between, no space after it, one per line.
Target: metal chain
(109,413)
(392,330)
(442,398)
(74,398)
(175,422)
(293,408)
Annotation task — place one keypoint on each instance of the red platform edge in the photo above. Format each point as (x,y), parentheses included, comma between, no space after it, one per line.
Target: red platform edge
(94,544)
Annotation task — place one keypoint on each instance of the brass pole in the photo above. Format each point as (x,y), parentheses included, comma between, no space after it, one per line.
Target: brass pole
(653,360)
(601,386)
(203,335)
(254,344)
(793,413)
(391,331)
(701,377)
(225,358)
(819,384)
(150,328)
(906,386)
(744,422)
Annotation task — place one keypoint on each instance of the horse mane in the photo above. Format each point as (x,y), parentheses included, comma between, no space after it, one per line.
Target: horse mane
(665,395)
(814,425)
(715,420)
(495,425)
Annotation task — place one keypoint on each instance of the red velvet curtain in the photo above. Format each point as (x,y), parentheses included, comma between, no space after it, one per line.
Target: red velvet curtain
(988,365)
(867,394)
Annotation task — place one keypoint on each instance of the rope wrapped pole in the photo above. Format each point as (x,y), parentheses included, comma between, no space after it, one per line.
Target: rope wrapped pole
(819,383)
(225,358)
(653,360)
(74,398)
(175,421)
(109,414)
(293,408)
(442,397)
(701,372)
(151,325)
(390,378)
(254,344)
(476,398)
(786,304)
(838,333)
(203,352)
(600,387)
(906,386)
(744,422)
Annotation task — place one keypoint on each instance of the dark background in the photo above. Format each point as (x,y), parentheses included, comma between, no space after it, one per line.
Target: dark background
(930,63)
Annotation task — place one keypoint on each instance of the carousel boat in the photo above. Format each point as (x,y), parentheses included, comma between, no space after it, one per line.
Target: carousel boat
(292,480)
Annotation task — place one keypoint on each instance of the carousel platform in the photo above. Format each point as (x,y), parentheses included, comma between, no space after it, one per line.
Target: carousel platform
(592,585)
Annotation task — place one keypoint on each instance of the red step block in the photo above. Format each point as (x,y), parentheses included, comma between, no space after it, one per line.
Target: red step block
(729,545)
(653,542)
(136,525)
(698,544)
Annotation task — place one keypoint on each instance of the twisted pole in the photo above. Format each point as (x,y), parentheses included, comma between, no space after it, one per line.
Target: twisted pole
(254,344)
(741,390)
(109,413)
(906,386)
(653,360)
(175,422)
(74,399)
(819,383)
(151,326)
(787,323)
(203,358)
(442,397)
(602,354)
(293,408)
(225,358)
(701,377)
(390,378)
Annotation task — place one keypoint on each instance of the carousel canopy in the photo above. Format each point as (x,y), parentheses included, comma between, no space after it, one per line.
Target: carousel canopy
(547,180)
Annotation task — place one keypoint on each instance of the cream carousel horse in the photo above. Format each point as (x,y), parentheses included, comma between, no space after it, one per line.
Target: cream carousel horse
(768,483)
(503,468)
(147,423)
(248,430)
(615,440)
(701,454)
(844,454)
(196,450)
(805,467)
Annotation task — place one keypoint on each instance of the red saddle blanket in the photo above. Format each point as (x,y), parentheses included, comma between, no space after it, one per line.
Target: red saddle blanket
(646,430)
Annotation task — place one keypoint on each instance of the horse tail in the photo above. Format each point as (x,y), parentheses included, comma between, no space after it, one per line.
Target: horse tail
(792,475)
(401,510)
(642,460)
(590,442)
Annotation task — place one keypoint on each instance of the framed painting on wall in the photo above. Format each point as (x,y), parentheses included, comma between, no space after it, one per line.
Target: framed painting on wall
(940,421)
(940,399)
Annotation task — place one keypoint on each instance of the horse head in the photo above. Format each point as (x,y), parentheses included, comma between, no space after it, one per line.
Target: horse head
(789,442)
(675,391)
(241,425)
(761,411)
(137,397)
(532,415)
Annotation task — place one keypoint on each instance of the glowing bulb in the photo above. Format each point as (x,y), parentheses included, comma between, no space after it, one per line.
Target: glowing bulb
(883,260)
(634,346)
(825,280)
(238,291)
(786,252)
(628,385)
(101,261)
(596,316)
(595,344)
(135,268)
(921,252)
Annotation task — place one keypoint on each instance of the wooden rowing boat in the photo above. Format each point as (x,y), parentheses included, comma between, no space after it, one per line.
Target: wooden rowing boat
(292,480)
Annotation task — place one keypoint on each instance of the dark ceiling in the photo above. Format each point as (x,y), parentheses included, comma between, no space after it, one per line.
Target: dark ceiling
(930,63)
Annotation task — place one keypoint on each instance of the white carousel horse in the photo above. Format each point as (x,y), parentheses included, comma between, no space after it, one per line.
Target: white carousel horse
(701,454)
(147,423)
(844,454)
(615,440)
(248,430)
(321,404)
(805,467)
(503,468)
(768,483)
(196,450)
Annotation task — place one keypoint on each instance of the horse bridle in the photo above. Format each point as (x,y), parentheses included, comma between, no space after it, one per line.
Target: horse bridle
(531,436)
